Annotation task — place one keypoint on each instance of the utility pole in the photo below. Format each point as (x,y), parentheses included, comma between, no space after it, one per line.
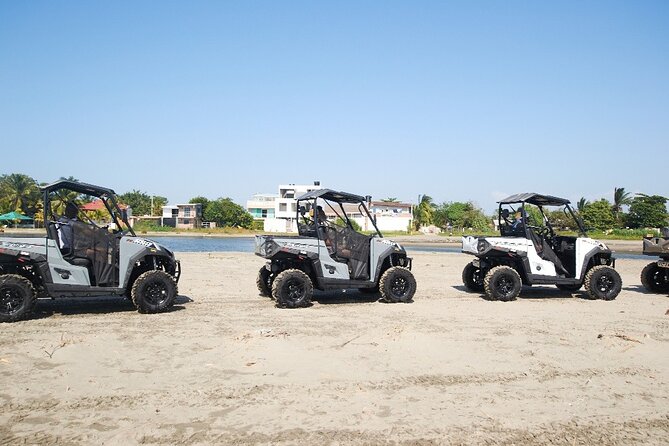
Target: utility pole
(151,206)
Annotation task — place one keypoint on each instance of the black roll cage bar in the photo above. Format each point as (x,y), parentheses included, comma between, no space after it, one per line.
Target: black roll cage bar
(339,198)
(523,213)
(106,195)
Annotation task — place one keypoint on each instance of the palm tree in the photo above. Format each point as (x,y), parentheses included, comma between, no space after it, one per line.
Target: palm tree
(423,211)
(582,203)
(389,200)
(620,199)
(19,192)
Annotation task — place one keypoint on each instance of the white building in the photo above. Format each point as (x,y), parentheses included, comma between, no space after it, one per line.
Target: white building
(278,211)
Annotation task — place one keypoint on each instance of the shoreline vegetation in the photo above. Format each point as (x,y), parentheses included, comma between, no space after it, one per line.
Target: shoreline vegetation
(626,245)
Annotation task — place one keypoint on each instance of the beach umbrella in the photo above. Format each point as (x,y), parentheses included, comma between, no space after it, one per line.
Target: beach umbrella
(14,216)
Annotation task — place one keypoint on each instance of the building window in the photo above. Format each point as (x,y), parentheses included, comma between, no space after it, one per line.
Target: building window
(175,213)
(282,207)
(187,211)
(186,221)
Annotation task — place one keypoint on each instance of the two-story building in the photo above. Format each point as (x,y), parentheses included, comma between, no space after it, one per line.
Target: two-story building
(187,216)
(278,211)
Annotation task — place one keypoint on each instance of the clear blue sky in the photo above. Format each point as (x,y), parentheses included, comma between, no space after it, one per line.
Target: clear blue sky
(468,100)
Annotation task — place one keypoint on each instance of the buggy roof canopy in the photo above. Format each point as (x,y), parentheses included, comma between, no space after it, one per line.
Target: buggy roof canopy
(76,186)
(329,194)
(14,216)
(535,199)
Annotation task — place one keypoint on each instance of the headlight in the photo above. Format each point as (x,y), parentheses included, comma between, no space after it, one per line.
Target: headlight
(482,246)
(269,248)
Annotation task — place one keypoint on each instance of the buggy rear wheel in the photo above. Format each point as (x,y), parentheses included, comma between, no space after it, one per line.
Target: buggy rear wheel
(154,291)
(397,284)
(17,297)
(471,277)
(502,283)
(292,288)
(603,282)
(264,282)
(655,279)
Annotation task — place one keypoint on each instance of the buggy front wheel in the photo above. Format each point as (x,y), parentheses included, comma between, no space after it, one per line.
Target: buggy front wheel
(264,282)
(17,297)
(655,279)
(502,283)
(154,291)
(292,288)
(397,284)
(471,277)
(603,282)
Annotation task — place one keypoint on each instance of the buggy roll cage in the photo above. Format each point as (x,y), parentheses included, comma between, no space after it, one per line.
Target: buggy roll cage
(340,198)
(106,195)
(540,201)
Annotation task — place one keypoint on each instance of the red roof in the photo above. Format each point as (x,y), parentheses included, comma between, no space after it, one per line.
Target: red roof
(97,205)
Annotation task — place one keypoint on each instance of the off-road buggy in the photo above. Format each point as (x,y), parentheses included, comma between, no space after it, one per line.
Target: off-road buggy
(330,254)
(655,275)
(101,257)
(531,251)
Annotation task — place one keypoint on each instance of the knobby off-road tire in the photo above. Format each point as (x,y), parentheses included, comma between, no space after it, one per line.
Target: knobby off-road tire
(154,291)
(292,288)
(397,284)
(569,287)
(471,277)
(603,282)
(655,279)
(264,282)
(502,283)
(17,297)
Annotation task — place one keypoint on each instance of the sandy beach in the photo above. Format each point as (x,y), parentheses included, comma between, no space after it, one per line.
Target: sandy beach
(227,367)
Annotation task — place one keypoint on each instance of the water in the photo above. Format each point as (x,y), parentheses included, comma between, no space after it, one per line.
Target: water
(247,244)
(206,244)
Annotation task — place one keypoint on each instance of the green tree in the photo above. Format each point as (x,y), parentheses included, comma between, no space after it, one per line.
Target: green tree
(140,202)
(582,203)
(225,212)
(202,200)
(647,211)
(620,199)
(598,215)
(389,200)
(422,212)
(341,222)
(18,192)
(561,221)
(460,215)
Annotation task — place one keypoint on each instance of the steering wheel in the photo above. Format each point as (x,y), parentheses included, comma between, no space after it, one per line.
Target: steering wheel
(543,231)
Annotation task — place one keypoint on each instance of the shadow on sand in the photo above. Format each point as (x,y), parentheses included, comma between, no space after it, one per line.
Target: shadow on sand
(94,305)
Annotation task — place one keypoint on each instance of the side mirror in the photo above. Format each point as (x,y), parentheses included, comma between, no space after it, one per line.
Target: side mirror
(302,210)
(124,215)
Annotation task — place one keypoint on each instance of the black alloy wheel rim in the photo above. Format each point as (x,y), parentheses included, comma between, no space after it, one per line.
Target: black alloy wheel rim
(294,290)
(661,279)
(156,292)
(399,287)
(11,300)
(476,277)
(505,285)
(605,283)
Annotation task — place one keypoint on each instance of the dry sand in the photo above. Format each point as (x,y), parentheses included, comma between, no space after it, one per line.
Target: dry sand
(227,367)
